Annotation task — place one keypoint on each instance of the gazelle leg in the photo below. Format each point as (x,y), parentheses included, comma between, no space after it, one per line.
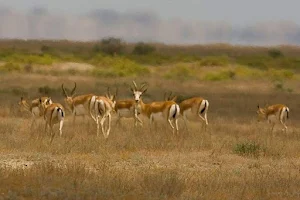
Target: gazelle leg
(52,133)
(170,122)
(205,117)
(109,124)
(97,122)
(102,125)
(176,124)
(61,124)
(283,124)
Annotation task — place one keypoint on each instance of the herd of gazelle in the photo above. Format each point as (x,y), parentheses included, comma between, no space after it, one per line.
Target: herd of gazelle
(100,108)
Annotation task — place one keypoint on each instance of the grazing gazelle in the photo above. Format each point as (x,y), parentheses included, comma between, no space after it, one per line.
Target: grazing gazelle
(193,109)
(274,113)
(53,114)
(33,107)
(79,105)
(167,110)
(103,108)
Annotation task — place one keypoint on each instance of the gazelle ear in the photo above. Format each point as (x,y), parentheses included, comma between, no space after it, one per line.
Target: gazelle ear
(258,106)
(40,100)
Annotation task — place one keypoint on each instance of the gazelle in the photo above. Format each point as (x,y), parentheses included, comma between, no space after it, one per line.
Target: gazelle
(193,109)
(168,110)
(33,107)
(103,108)
(53,114)
(79,105)
(125,109)
(274,113)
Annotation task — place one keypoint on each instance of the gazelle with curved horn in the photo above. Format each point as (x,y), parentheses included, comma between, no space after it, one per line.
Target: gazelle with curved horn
(33,107)
(79,105)
(53,113)
(193,109)
(128,108)
(103,107)
(274,113)
(166,110)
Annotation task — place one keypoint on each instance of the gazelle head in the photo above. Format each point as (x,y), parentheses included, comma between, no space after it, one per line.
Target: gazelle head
(171,97)
(261,113)
(43,104)
(68,99)
(23,105)
(137,93)
(112,97)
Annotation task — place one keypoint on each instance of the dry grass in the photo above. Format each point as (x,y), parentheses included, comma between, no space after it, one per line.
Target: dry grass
(136,164)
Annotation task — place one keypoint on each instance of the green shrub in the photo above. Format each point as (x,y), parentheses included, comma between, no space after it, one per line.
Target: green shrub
(143,49)
(119,67)
(10,67)
(180,72)
(46,90)
(214,61)
(111,46)
(259,62)
(247,148)
(276,74)
(220,76)
(275,53)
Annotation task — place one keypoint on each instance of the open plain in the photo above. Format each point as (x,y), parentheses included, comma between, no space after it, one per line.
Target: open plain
(234,157)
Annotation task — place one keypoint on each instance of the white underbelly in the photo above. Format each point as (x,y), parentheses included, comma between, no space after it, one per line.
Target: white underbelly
(273,118)
(80,110)
(190,115)
(158,116)
(35,111)
(125,113)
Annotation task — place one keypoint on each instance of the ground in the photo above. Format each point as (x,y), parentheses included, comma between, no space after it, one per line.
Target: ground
(235,157)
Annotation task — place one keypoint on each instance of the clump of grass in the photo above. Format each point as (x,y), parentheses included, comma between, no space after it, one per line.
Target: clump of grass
(247,149)
(180,72)
(40,59)
(280,74)
(220,76)
(247,72)
(10,67)
(119,67)
(214,61)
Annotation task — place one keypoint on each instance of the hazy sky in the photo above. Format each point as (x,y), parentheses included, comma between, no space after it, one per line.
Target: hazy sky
(234,11)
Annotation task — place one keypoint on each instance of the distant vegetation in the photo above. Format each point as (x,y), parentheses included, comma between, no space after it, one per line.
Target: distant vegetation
(112,57)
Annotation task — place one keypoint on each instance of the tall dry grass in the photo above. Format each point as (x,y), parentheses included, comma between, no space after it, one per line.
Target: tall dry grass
(135,163)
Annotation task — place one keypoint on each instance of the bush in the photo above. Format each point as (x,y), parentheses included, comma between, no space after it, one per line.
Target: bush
(111,46)
(214,61)
(180,72)
(10,67)
(275,53)
(143,49)
(45,90)
(119,67)
(220,76)
(247,148)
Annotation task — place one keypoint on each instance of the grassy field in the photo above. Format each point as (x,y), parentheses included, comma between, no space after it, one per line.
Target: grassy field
(235,157)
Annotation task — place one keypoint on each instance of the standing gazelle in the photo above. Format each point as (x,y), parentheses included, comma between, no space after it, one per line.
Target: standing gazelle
(33,107)
(274,113)
(193,109)
(79,105)
(127,108)
(168,110)
(103,108)
(53,114)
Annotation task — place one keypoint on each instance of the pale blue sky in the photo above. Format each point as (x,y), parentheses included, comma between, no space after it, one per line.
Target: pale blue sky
(238,12)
